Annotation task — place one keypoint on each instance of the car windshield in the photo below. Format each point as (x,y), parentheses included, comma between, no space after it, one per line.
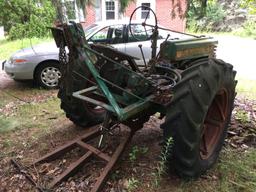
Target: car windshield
(89,29)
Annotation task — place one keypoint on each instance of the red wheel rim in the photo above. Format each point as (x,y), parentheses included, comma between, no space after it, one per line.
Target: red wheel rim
(214,124)
(93,108)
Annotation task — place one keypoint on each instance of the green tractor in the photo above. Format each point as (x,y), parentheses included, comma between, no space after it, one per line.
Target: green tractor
(192,90)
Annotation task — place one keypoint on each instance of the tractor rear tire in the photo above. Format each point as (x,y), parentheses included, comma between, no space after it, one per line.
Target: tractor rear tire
(199,115)
(81,113)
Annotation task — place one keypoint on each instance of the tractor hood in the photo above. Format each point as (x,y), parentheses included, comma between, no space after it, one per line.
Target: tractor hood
(176,50)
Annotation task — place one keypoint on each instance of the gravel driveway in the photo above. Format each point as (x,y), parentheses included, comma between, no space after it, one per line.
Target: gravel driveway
(6,81)
(240,52)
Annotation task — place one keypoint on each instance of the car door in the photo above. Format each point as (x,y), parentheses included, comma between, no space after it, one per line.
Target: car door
(141,36)
(133,42)
(111,35)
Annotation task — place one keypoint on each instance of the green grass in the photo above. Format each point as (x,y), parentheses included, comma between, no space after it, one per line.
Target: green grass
(236,172)
(7,124)
(7,47)
(246,88)
(32,115)
(41,115)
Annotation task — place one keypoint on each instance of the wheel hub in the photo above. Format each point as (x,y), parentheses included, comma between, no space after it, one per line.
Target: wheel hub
(214,124)
(50,76)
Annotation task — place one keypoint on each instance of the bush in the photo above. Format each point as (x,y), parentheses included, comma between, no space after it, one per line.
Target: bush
(41,17)
(248,29)
(213,15)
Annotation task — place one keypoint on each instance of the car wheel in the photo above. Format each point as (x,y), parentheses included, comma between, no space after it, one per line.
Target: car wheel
(48,74)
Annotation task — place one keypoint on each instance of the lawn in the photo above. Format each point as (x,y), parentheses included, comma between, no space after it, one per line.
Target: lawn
(7,47)
(246,87)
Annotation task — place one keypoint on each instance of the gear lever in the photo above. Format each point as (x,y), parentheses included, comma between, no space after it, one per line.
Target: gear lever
(140,46)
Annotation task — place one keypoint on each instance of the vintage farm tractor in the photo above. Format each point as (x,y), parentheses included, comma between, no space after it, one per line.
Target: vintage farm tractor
(192,90)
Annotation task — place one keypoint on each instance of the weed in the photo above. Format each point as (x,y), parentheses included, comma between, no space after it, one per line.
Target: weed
(115,175)
(133,153)
(242,116)
(161,166)
(132,184)
(144,150)
(136,151)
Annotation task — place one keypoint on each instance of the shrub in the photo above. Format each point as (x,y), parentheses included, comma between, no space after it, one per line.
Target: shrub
(41,17)
(248,29)
(214,14)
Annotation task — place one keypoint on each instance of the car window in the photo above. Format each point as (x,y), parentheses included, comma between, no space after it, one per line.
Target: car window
(139,33)
(100,36)
(144,33)
(111,35)
(89,29)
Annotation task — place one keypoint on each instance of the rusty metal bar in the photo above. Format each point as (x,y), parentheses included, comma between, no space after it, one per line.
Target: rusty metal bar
(65,148)
(103,176)
(56,153)
(72,169)
(94,150)
(75,166)
(23,171)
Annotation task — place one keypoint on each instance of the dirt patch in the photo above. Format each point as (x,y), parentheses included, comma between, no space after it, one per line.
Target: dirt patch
(130,174)
(242,132)
(7,82)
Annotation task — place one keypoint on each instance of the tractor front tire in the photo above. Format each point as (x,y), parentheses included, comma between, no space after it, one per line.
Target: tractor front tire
(199,115)
(81,113)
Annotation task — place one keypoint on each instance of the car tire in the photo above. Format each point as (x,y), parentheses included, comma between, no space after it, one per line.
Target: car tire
(47,75)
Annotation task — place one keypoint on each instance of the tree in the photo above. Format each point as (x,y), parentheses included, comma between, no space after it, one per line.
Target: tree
(26,18)
(250,5)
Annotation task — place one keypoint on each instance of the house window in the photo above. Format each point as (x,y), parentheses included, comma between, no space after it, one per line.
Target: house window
(110,10)
(145,13)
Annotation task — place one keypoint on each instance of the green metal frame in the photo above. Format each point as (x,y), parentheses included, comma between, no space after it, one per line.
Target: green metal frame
(122,113)
(116,103)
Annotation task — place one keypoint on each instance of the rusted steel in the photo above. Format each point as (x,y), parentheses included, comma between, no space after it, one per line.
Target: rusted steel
(214,124)
(67,147)
(72,169)
(23,171)
(94,150)
(100,181)
(75,166)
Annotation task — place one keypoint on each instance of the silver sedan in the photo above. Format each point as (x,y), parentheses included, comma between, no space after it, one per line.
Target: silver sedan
(41,62)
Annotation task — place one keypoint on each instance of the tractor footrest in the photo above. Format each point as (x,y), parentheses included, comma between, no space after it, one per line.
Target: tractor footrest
(75,166)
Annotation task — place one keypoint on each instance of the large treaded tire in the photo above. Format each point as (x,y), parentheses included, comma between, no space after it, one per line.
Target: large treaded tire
(81,113)
(200,90)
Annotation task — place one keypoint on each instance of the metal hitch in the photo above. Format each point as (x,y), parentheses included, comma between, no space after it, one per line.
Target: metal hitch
(90,150)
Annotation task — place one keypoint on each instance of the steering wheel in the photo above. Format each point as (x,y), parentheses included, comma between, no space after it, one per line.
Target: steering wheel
(144,24)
